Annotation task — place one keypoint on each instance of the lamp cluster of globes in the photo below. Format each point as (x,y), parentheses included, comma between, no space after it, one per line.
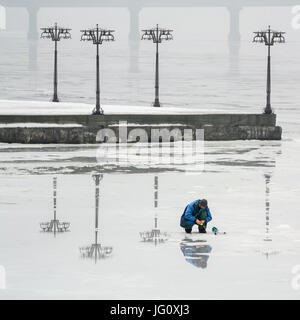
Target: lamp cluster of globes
(55,33)
(157,34)
(97,35)
(269,37)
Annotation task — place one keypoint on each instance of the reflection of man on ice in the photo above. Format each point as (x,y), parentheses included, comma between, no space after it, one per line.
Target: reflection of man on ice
(195,253)
(197,213)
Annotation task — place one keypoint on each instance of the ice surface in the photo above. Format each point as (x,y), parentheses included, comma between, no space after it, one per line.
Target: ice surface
(234,265)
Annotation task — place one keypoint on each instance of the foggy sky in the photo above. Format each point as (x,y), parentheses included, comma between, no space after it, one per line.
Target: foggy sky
(204,23)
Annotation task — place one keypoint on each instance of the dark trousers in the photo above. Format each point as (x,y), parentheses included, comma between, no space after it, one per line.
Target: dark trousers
(202,229)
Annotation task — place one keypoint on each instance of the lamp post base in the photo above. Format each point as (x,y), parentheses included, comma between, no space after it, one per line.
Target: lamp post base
(98,111)
(156,103)
(55,99)
(268,110)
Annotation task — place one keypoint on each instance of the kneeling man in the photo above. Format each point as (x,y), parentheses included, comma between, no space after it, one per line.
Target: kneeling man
(197,212)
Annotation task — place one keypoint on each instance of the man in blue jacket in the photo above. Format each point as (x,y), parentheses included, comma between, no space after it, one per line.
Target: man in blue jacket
(197,212)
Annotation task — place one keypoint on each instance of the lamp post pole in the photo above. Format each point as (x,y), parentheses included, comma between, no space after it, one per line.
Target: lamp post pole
(97,36)
(55,34)
(98,107)
(55,96)
(269,38)
(157,35)
(156,101)
(268,109)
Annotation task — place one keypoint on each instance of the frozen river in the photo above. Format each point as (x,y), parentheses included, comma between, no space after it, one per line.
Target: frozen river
(240,179)
(235,265)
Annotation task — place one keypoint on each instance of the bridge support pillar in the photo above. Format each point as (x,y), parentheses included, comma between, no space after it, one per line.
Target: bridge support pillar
(234,30)
(134,37)
(33,55)
(234,58)
(32,23)
(2,18)
(134,32)
(134,56)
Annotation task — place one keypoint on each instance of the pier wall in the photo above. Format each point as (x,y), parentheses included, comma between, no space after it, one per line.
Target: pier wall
(217,127)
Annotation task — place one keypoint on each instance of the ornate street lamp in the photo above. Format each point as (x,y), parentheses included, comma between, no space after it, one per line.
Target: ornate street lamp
(269,38)
(55,34)
(157,35)
(97,36)
(55,225)
(155,235)
(96,250)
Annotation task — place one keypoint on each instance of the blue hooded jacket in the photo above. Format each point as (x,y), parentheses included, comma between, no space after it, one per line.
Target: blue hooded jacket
(193,212)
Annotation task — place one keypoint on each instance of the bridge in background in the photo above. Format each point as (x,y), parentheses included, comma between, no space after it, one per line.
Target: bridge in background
(135,6)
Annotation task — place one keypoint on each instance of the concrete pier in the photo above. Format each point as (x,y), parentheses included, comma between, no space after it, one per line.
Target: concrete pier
(85,128)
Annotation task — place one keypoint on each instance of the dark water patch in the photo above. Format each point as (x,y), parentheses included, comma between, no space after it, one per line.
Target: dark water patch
(69,170)
(8,203)
(243,163)
(49,149)
(83,159)
(231,151)
(56,160)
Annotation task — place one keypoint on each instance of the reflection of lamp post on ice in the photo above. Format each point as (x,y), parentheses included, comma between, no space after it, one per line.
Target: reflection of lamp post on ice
(157,35)
(268,250)
(96,250)
(54,225)
(97,36)
(267,235)
(269,38)
(55,34)
(155,235)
